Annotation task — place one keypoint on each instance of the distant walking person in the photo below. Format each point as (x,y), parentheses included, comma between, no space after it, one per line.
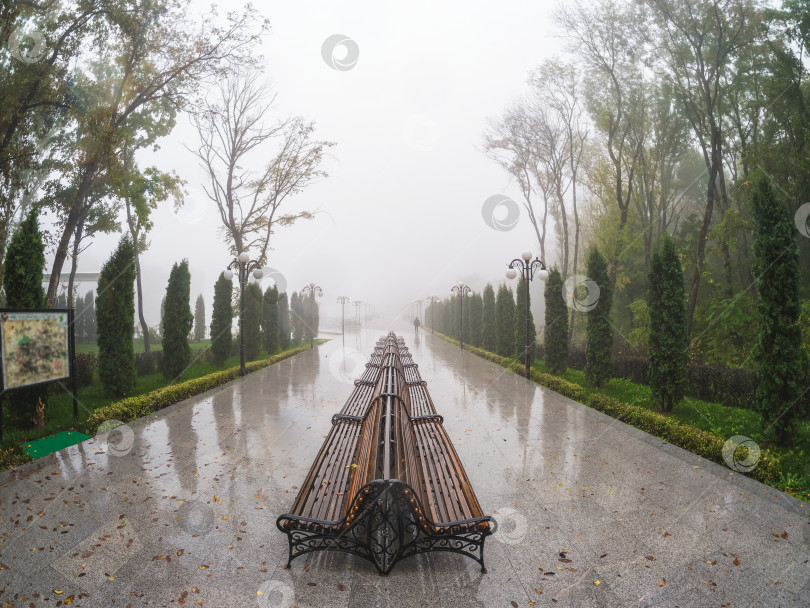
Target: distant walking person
(416,325)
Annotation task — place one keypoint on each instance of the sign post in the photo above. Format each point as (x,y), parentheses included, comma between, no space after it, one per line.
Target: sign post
(36,347)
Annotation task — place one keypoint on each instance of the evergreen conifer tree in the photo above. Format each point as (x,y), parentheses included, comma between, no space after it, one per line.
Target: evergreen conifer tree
(222,320)
(177,321)
(599,347)
(115,320)
(555,335)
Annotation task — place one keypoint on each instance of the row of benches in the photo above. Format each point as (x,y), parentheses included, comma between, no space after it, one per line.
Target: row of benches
(387,482)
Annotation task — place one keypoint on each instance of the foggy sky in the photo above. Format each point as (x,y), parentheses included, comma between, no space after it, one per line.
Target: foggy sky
(401,211)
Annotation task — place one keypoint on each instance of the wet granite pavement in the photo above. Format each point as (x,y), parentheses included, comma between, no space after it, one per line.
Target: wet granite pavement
(179,508)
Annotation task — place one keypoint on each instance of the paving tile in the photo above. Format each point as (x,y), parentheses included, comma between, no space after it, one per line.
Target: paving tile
(200,487)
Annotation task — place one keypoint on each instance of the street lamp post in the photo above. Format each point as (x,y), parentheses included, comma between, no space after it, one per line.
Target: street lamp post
(431,300)
(357,305)
(243,265)
(462,290)
(310,290)
(527,267)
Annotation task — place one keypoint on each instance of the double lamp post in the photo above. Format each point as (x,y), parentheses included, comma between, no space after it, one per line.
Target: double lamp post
(462,289)
(527,267)
(310,290)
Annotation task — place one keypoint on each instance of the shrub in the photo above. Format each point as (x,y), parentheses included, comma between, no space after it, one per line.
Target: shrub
(145,363)
(12,455)
(85,365)
(115,318)
(733,387)
(635,369)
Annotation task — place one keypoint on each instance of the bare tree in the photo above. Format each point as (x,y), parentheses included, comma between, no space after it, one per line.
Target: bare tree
(559,87)
(232,132)
(601,34)
(511,142)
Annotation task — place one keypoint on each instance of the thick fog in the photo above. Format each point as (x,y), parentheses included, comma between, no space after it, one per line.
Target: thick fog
(400,215)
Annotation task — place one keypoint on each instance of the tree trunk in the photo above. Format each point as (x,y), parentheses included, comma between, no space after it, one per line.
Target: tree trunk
(701,249)
(723,202)
(77,241)
(133,231)
(144,326)
(74,215)
(576,249)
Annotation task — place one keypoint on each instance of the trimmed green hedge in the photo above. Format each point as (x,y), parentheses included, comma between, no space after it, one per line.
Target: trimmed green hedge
(131,408)
(700,442)
(688,437)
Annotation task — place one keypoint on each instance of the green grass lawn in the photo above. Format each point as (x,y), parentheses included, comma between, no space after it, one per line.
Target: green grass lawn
(83,347)
(715,418)
(59,411)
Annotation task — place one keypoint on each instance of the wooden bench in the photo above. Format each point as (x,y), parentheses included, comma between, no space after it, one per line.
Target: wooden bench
(402,490)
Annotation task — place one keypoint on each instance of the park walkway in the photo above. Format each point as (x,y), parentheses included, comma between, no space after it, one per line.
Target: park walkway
(180,508)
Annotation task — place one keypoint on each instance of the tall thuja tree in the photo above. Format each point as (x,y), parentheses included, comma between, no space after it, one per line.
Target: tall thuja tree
(505,322)
(283,321)
(22,282)
(476,319)
(253,321)
(162,313)
(488,332)
(555,335)
(307,304)
(447,316)
(316,317)
(467,320)
(296,318)
(599,347)
(667,343)
(115,318)
(222,320)
(177,321)
(781,361)
(270,329)
(521,309)
(199,319)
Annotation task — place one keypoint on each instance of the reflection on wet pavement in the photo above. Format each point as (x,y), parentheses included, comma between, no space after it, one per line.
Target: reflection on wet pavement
(591,512)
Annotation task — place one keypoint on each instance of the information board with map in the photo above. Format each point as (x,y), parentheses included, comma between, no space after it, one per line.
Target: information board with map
(34,347)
